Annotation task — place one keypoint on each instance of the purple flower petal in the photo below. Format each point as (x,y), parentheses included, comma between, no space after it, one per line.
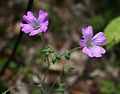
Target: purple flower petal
(87,51)
(26,28)
(99,39)
(97,51)
(94,51)
(87,33)
(82,43)
(35,32)
(43,16)
(44,26)
(29,18)
(91,46)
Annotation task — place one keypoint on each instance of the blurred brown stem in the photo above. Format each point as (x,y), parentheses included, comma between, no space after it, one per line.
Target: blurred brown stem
(7,63)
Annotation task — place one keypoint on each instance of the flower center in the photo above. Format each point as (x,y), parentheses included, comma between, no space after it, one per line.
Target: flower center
(37,27)
(88,43)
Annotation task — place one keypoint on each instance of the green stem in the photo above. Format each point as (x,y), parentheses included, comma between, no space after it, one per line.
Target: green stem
(45,44)
(18,86)
(12,88)
(46,71)
(43,40)
(47,59)
(77,48)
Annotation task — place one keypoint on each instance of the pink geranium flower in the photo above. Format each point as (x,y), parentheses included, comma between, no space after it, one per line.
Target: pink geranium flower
(92,44)
(35,25)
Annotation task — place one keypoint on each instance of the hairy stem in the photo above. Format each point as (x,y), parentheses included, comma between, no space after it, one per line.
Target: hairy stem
(74,49)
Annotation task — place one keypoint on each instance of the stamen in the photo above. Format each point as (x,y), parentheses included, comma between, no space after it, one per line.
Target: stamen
(88,43)
(37,27)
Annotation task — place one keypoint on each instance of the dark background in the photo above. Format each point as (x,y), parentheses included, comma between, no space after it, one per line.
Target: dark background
(82,75)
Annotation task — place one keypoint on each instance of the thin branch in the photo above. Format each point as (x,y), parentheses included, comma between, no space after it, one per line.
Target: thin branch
(12,88)
(74,49)
(7,63)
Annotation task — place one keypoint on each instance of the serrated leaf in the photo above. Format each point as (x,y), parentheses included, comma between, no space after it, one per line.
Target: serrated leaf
(112,32)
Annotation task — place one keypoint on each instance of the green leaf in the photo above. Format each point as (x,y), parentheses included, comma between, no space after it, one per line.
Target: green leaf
(48,50)
(55,58)
(68,69)
(112,32)
(60,90)
(67,55)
